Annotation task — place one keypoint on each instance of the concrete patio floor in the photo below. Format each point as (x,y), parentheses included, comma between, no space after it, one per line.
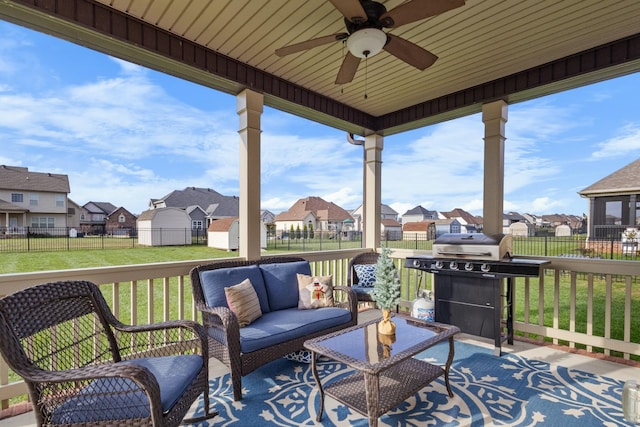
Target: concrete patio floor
(554,355)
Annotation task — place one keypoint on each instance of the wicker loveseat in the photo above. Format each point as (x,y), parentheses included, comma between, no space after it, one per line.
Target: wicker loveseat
(281,329)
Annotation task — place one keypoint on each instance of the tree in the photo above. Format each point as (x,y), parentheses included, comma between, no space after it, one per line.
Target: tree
(386,289)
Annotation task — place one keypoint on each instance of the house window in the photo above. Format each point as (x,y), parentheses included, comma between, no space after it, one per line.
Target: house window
(637,213)
(121,218)
(613,213)
(33,199)
(60,201)
(42,222)
(17,197)
(196,225)
(82,217)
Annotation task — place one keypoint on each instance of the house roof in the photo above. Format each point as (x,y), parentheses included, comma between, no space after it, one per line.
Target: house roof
(21,179)
(486,50)
(419,210)
(210,201)
(323,211)
(10,207)
(223,224)
(100,207)
(417,225)
(461,213)
(389,222)
(625,180)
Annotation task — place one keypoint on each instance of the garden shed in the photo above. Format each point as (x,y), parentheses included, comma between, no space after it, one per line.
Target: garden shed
(224,234)
(164,227)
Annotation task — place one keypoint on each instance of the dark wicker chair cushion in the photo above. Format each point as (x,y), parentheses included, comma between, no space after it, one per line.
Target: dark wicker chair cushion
(281,281)
(174,375)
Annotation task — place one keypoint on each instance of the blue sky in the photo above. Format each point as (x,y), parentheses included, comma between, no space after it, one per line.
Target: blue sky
(125,134)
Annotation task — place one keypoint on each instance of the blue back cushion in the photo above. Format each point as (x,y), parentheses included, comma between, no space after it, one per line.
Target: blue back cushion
(281,282)
(214,281)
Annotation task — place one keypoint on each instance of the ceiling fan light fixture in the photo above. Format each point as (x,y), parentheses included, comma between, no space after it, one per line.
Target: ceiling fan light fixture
(366,42)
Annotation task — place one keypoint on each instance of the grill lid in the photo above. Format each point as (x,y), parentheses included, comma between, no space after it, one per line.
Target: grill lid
(469,239)
(476,245)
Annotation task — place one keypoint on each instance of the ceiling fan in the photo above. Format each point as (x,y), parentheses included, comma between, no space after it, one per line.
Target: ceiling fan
(364,20)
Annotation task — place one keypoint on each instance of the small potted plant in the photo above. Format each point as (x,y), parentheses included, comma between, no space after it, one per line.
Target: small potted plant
(386,291)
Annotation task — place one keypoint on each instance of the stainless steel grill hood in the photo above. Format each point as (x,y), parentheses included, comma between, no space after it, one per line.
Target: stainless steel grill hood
(475,245)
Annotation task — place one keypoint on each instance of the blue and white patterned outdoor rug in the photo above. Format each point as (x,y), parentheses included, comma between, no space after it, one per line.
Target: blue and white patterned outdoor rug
(488,391)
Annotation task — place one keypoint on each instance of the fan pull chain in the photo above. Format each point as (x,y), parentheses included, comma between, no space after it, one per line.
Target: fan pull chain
(366,74)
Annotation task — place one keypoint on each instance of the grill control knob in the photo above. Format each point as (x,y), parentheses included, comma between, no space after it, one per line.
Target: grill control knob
(468,266)
(439,264)
(416,263)
(485,267)
(453,265)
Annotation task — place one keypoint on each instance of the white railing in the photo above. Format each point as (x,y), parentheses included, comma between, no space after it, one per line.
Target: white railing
(161,291)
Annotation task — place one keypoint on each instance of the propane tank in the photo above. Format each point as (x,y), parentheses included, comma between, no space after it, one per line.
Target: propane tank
(630,401)
(423,307)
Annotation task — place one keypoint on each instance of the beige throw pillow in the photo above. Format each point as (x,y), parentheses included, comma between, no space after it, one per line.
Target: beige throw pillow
(314,291)
(243,301)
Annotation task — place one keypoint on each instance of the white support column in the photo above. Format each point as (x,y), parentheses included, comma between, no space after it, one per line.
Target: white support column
(494,116)
(373,146)
(249,106)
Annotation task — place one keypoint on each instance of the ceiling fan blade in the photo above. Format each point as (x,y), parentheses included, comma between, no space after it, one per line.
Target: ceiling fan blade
(350,9)
(348,69)
(299,47)
(416,10)
(410,53)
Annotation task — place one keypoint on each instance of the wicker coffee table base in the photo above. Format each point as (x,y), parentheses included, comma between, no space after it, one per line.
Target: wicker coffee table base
(385,390)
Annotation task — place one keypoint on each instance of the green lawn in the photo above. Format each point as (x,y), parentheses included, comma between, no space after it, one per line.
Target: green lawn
(23,262)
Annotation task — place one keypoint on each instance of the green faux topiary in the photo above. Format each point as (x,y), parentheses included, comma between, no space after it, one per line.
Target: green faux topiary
(386,289)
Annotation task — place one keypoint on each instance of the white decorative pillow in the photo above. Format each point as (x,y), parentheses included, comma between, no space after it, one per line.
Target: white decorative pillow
(314,291)
(366,274)
(243,301)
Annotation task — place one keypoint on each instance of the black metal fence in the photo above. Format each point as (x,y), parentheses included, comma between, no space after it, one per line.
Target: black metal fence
(67,239)
(28,239)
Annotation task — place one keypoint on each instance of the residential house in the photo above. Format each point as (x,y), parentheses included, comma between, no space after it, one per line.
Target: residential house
(33,201)
(386,212)
(614,203)
(323,216)
(93,217)
(448,225)
(73,214)
(419,230)
(468,223)
(203,205)
(418,214)
(511,218)
(121,222)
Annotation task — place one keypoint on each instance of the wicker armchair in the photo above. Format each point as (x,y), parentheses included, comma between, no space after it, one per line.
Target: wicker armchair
(83,367)
(363,293)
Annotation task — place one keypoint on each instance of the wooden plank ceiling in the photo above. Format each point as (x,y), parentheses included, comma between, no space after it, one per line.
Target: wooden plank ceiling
(487,49)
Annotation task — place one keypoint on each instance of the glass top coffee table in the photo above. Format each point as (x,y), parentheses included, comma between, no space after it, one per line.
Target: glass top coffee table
(385,371)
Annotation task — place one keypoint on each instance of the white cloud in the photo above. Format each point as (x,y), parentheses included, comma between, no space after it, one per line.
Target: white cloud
(626,141)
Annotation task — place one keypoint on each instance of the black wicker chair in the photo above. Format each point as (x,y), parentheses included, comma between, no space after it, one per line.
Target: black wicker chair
(83,367)
(363,293)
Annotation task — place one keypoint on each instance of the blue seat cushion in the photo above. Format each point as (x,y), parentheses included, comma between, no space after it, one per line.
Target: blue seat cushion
(281,282)
(117,398)
(284,325)
(214,281)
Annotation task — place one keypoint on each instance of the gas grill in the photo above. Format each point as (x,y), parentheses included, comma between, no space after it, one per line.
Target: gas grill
(469,290)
